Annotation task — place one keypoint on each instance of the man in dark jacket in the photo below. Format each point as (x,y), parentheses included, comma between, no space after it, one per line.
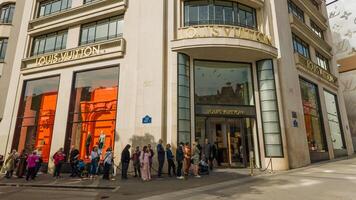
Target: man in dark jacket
(125,161)
(180,158)
(170,160)
(73,159)
(160,156)
(208,153)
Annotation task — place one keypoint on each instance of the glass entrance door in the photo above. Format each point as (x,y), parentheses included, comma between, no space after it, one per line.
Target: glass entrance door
(232,137)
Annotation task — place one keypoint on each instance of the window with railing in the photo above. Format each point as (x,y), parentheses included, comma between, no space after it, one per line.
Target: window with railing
(3,47)
(219,12)
(322,61)
(316,29)
(101,30)
(295,10)
(49,43)
(53,6)
(300,46)
(7,13)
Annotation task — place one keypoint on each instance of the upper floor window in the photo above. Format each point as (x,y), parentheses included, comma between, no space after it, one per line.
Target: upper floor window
(3,47)
(300,46)
(316,5)
(49,42)
(88,1)
(322,61)
(317,30)
(7,13)
(52,6)
(101,30)
(219,12)
(295,10)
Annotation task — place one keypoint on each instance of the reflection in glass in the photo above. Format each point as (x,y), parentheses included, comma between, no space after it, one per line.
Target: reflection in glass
(269,109)
(184,132)
(312,116)
(35,119)
(223,83)
(92,114)
(334,121)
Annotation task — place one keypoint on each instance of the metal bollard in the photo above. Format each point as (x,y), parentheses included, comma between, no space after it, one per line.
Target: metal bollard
(251,163)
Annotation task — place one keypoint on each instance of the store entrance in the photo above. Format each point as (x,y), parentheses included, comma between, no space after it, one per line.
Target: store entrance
(233,138)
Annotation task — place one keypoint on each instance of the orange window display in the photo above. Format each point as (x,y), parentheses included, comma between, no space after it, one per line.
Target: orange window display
(92,115)
(36,116)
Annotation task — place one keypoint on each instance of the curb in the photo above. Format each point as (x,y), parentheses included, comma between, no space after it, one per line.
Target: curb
(57,186)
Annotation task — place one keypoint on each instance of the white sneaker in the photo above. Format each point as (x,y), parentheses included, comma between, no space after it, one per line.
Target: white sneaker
(180,177)
(197,176)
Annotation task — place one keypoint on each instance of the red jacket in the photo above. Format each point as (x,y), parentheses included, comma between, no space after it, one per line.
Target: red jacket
(58,158)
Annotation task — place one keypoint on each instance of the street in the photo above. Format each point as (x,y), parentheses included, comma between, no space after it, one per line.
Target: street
(330,180)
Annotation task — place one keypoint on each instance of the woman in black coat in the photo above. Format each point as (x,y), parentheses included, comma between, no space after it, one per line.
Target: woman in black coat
(125,161)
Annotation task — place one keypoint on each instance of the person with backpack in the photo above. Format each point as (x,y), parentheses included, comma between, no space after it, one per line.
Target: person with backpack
(187,159)
(58,158)
(108,161)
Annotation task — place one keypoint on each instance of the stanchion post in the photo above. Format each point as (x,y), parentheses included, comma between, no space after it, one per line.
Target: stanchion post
(270,159)
(251,163)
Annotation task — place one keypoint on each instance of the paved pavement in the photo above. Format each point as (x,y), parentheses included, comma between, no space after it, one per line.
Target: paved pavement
(331,180)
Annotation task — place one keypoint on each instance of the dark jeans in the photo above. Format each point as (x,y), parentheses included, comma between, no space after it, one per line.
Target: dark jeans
(106,173)
(137,168)
(74,168)
(160,167)
(179,169)
(94,167)
(31,172)
(171,166)
(9,173)
(57,170)
(125,167)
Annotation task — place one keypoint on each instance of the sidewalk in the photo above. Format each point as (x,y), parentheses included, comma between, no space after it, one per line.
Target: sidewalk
(169,183)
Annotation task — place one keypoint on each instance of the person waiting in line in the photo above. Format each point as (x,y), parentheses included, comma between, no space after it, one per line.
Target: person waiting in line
(94,162)
(145,164)
(136,162)
(22,163)
(187,159)
(179,159)
(196,159)
(207,153)
(151,156)
(10,163)
(39,162)
(31,165)
(58,158)
(73,160)
(161,154)
(170,160)
(125,161)
(108,161)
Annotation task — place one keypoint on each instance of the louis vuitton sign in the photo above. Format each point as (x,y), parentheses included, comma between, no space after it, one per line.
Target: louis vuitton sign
(223,32)
(69,55)
(315,69)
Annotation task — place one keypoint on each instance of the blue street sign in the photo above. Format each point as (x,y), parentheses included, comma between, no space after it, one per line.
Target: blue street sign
(147,120)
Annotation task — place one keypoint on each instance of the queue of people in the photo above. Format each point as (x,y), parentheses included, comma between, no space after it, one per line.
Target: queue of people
(187,160)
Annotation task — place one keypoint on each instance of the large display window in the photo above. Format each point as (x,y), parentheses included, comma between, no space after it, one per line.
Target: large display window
(92,113)
(223,83)
(332,109)
(36,115)
(313,117)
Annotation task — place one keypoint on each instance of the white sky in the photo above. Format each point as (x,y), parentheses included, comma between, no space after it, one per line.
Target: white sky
(342,16)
